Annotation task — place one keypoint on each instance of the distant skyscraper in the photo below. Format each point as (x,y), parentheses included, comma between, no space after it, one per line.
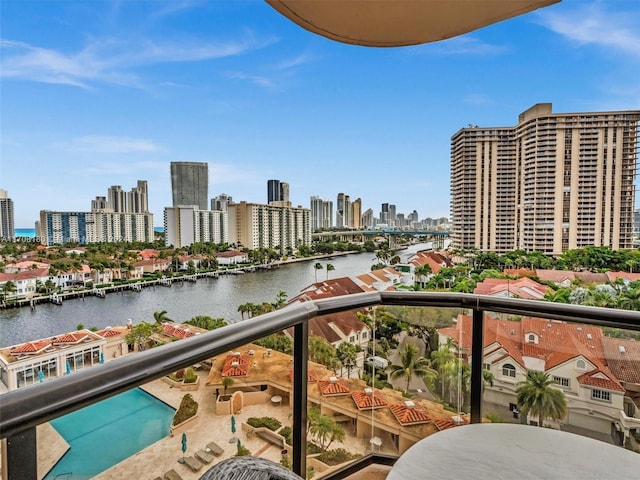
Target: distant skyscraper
(384,214)
(116,199)
(552,183)
(190,184)
(7,227)
(367,218)
(100,203)
(321,213)
(340,214)
(277,191)
(221,202)
(138,198)
(356,213)
(392,214)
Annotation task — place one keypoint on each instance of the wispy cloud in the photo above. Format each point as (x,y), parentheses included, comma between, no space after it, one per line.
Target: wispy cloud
(256,79)
(108,144)
(111,60)
(294,62)
(115,169)
(465,45)
(592,24)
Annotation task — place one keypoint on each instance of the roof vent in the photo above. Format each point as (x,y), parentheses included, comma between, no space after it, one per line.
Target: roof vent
(589,336)
(108,327)
(621,349)
(368,391)
(579,329)
(333,379)
(549,325)
(513,332)
(409,404)
(236,354)
(235,364)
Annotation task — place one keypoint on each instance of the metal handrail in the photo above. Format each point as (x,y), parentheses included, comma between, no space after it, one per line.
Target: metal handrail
(22,410)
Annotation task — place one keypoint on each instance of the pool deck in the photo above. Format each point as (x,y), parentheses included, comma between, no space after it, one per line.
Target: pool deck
(155,460)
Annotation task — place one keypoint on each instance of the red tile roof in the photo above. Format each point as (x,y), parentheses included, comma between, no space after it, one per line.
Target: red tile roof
(594,379)
(108,332)
(176,331)
(449,422)
(632,277)
(557,342)
(522,287)
(236,365)
(409,413)
(623,358)
(312,376)
(368,398)
(30,348)
(333,386)
(68,338)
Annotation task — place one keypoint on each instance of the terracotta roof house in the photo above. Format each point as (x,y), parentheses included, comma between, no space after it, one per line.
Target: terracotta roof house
(522,288)
(623,359)
(437,261)
(573,355)
(630,277)
(24,266)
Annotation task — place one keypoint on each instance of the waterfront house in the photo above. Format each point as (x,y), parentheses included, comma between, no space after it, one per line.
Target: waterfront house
(232,257)
(573,355)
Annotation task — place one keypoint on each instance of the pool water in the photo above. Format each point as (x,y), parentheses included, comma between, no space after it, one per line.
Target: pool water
(106,433)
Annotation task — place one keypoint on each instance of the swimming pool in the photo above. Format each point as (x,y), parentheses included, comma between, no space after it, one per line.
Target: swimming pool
(106,433)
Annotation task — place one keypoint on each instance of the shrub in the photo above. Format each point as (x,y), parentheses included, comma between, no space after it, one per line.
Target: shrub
(336,456)
(268,422)
(180,373)
(242,451)
(287,434)
(188,408)
(636,434)
(190,376)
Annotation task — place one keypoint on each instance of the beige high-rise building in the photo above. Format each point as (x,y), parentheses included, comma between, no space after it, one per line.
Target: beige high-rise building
(254,226)
(554,182)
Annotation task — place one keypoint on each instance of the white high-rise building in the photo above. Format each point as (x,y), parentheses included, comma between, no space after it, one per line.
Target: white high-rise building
(186,224)
(321,213)
(552,183)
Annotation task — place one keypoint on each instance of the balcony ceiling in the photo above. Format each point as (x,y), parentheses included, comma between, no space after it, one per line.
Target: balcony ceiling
(395,23)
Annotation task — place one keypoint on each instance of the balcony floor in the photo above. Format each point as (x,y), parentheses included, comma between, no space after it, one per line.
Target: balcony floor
(372,472)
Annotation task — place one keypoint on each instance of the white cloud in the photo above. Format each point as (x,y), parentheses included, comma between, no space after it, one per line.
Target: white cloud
(592,24)
(108,144)
(110,60)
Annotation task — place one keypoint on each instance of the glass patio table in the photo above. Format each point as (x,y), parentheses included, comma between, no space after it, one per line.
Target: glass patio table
(508,451)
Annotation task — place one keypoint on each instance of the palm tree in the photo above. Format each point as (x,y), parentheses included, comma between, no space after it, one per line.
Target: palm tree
(422,272)
(412,364)
(538,397)
(317,266)
(329,268)
(161,317)
(441,359)
(8,288)
(630,300)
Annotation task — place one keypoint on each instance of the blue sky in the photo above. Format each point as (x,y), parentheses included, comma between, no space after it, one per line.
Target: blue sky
(97,93)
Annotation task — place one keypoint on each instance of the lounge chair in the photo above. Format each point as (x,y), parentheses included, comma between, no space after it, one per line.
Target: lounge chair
(215,448)
(172,475)
(191,462)
(248,468)
(204,456)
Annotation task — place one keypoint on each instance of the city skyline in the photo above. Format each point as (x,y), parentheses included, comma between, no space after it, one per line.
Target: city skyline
(237,86)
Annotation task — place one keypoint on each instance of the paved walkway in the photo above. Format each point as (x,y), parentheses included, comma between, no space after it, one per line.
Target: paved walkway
(155,460)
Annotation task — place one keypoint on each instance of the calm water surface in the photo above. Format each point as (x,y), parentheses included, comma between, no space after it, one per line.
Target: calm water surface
(213,297)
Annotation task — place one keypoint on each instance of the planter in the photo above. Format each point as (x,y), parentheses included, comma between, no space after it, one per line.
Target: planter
(171,382)
(189,387)
(184,426)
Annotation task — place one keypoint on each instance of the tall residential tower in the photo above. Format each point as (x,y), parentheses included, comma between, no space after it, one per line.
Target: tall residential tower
(190,184)
(7,227)
(553,182)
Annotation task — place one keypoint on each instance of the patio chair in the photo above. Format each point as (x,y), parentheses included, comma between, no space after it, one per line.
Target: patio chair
(204,456)
(172,475)
(216,449)
(249,468)
(191,462)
